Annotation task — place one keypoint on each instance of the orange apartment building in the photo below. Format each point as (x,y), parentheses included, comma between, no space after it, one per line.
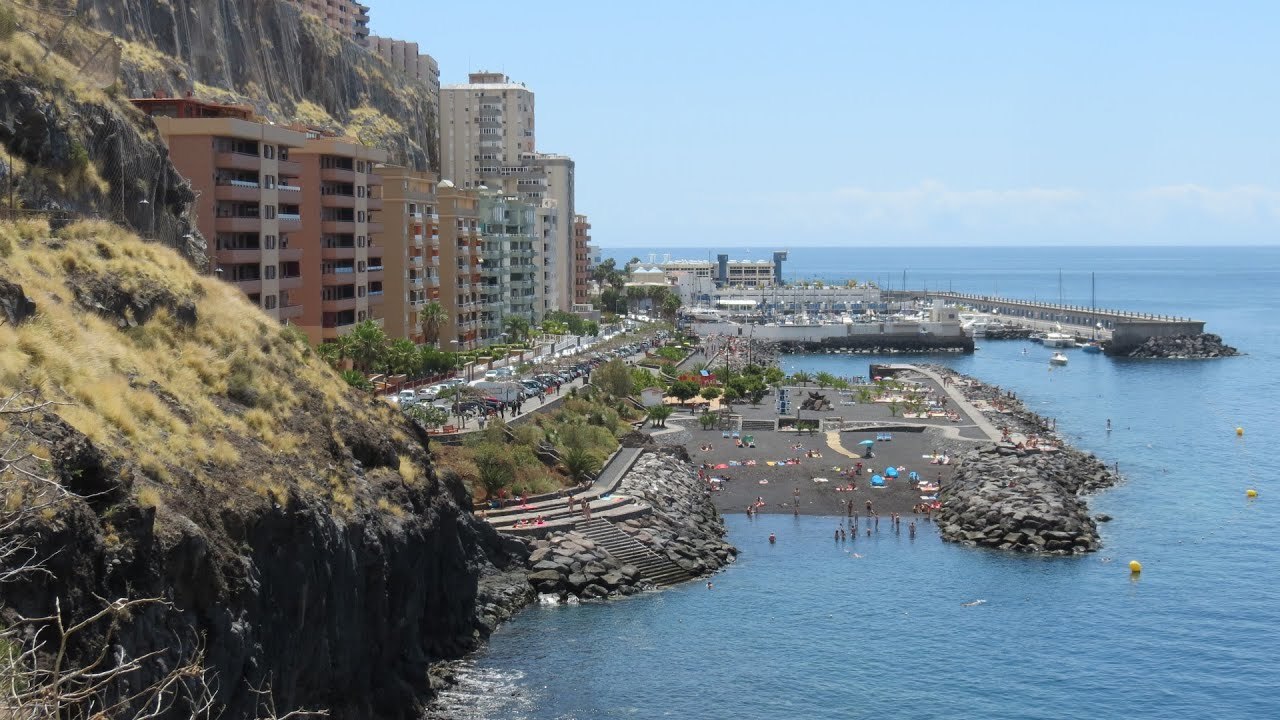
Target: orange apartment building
(410,249)
(350,19)
(342,196)
(247,195)
(581,259)
(459,269)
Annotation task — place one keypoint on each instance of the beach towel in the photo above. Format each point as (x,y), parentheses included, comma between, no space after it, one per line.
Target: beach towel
(734,463)
(770,463)
(721,466)
(928,497)
(750,463)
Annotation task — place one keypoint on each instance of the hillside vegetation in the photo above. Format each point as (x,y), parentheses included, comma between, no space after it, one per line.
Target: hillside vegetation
(173,371)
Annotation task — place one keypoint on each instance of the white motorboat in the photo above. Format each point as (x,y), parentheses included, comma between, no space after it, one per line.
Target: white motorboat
(1058,359)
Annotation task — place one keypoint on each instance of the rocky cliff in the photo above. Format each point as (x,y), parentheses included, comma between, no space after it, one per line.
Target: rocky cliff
(297,528)
(266,53)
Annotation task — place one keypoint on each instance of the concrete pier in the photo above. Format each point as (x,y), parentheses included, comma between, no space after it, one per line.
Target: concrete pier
(1127,329)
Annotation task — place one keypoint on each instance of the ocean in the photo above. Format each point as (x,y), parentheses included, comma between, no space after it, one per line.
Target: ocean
(808,629)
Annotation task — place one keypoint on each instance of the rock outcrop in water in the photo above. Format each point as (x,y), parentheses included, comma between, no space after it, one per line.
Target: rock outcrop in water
(1183,347)
(684,532)
(1023,500)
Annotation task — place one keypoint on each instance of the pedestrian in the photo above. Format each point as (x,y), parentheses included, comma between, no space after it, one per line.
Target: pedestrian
(586,509)
(868,508)
(570,503)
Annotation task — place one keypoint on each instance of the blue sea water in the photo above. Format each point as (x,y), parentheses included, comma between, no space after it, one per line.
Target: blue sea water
(806,629)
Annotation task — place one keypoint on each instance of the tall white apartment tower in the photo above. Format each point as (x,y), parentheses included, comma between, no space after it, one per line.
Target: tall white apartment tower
(487,138)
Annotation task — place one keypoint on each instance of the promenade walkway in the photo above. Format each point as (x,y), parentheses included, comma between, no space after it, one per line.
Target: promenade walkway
(555,512)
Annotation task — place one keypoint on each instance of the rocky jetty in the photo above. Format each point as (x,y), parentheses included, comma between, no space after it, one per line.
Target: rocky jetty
(1023,500)
(684,534)
(1183,347)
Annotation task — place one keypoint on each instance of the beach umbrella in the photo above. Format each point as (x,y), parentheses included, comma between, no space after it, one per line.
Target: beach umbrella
(867,442)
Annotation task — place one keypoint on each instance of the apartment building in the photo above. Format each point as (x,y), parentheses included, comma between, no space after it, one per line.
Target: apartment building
(581,260)
(248,195)
(405,57)
(350,19)
(729,273)
(410,244)
(341,194)
(459,266)
(558,195)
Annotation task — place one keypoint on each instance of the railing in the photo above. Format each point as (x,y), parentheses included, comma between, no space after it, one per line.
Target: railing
(288,188)
(241,183)
(289,216)
(1057,306)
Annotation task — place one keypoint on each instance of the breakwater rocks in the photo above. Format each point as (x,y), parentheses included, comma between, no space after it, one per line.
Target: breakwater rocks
(1023,500)
(681,538)
(1182,347)
(880,344)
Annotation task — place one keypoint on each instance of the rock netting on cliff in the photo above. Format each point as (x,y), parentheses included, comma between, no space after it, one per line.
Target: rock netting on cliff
(684,529)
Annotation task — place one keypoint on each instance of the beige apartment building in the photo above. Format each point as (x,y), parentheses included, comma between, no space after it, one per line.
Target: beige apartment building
(247,195)
(581,260)
(487,140)
(342,197)
(410,244)
(459,266)
(350,19)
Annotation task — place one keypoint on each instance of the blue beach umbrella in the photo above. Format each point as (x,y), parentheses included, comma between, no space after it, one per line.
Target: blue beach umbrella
(891,472)
(867,442)
(877,481)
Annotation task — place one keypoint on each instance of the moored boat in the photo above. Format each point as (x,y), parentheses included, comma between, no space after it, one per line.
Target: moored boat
(1093,346)
(1058,359)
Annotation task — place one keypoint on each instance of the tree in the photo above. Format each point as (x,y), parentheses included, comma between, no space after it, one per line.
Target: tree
(368,345)
(710,393)
(402,357)
(731,395)
(801,377)
(707,420)
(670,307)
(840,384)
(865,395)
(357,380)
(517,329)
(429,416)
(432,318)
(894,408)
(580,464)
(755,395)
(774,375)
(613,378)
(495,466)
(824,379)
(658,415)
(683,390)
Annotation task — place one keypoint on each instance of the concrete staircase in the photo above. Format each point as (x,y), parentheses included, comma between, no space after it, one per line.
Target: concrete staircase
(758,425)
(653,567)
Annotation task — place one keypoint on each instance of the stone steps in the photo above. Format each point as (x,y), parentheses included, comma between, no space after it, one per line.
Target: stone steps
(758,425)
(628,551)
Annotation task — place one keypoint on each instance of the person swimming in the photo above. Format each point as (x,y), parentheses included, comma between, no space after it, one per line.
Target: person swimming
(772,538)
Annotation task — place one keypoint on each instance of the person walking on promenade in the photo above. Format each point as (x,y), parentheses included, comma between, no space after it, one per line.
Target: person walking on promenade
(586,509)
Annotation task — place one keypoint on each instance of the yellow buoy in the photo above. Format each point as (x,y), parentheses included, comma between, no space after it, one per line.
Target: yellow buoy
(1135,566)
(1251,493)
(1239,432)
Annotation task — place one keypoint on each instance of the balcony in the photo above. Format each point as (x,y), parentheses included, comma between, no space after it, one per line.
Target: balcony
(288,168)
(237,224)
(376,298)
(338,175)
(338,305)
(373,179)
(237,161)
(375,228)
(285,188)
(418,241)
(289,222)
(243,192)
(249,287)
(338,253)
(374,203)
(338,201)
(337,227)
(374,275)
(290,254)
(415,283)
(291,283)
(416,261)
(238,256)
(289,312)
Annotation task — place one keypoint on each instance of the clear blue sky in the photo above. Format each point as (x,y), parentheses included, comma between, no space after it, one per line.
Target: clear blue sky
(789,124)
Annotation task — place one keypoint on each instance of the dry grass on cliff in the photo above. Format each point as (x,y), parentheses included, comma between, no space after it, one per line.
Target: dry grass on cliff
(225,401)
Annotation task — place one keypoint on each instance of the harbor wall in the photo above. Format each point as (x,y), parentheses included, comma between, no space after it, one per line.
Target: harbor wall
(817,333)
(1130,334)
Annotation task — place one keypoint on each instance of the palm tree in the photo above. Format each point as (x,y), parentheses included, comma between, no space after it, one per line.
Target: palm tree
(658,415)
(801,377)
(368,345)
(517,329)
(432,317)
(580,464)
(402,357)
(670,306)
(824,379)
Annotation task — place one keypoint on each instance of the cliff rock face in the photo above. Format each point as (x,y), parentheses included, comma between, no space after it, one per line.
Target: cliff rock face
(297,527)
(267,54)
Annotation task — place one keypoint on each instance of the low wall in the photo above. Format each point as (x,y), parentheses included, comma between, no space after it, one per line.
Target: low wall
(1131,334)
(886,343)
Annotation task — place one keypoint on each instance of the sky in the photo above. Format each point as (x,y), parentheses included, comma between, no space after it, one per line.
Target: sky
(852,124)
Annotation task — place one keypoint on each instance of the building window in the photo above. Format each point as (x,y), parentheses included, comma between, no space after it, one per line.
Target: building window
(359,216)
(269,242)
(268,151)
(360,291)
(269,272)
(360,266)
(359,191)
(360,316)
(269,302)
(269,182)
(359,241)
(268,212)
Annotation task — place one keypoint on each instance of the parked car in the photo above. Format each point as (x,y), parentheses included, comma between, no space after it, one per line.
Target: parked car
(406,398)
